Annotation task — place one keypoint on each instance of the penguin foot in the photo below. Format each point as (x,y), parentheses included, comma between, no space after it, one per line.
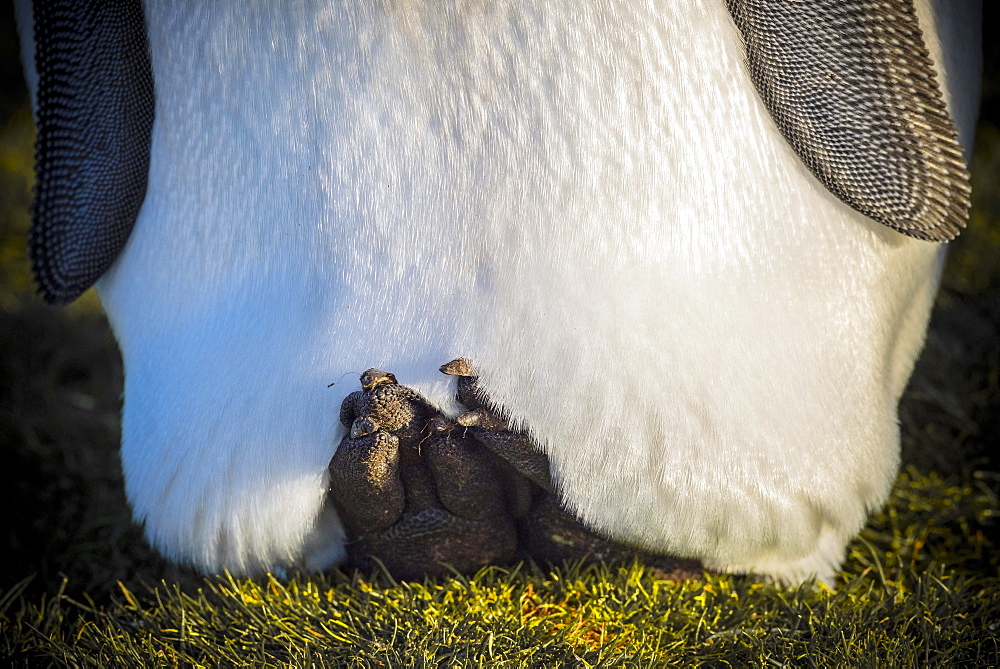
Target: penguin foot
(413,492)
(495,433)
(547,532)
(423,495)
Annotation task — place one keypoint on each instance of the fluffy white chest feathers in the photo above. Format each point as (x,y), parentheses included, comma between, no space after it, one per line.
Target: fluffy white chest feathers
(588,200)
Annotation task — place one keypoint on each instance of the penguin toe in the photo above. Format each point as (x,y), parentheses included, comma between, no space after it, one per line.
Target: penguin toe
(464,476)
(367,469)
(492,430)
(551,534)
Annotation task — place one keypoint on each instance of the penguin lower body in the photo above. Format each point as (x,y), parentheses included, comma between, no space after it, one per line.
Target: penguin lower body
(591,203)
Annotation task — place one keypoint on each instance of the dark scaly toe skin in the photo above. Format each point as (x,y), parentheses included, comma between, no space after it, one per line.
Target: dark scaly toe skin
(413,491)
(367,469)
(547,531)
(463,477)
(514,447)
(552,534)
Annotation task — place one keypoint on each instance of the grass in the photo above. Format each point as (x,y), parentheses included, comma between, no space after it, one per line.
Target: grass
(919,589)
(921,585)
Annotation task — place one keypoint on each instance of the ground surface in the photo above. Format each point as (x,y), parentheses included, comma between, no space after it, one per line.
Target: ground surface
(921,585)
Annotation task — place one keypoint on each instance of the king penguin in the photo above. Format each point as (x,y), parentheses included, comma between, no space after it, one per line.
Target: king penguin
(690,246)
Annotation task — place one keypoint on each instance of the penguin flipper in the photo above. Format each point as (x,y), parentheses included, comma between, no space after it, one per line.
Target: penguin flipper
(850,84)
(94,111)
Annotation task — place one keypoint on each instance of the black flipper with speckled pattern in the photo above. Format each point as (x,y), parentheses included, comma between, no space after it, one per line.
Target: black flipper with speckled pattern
(851,86)
(94,112)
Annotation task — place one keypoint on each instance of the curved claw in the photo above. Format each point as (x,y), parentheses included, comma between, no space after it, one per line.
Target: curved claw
(468,392)
(457,367)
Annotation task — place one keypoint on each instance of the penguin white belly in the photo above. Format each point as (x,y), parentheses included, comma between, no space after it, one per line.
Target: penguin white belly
(588,200)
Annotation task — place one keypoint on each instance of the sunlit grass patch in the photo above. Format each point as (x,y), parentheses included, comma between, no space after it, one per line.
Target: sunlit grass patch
(590,615)
(921,586)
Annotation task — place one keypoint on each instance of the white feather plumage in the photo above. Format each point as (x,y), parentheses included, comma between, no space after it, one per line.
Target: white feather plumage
(586,199)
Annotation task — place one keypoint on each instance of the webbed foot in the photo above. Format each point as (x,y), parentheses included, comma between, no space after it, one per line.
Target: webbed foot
(417,491)
(412,491)
(547,532)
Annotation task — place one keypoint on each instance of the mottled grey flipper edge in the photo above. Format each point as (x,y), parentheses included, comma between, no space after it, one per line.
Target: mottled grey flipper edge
(94,112)
(852,88)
